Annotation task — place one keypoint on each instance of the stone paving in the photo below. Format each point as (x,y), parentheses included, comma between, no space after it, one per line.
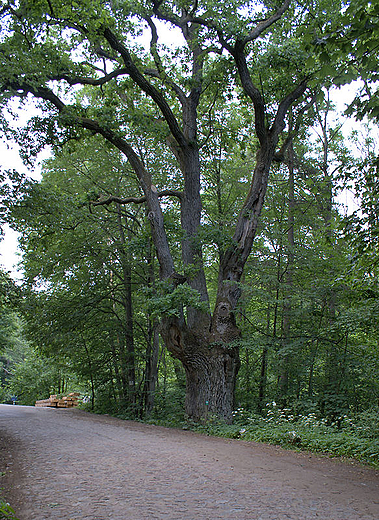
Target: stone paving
(70,465)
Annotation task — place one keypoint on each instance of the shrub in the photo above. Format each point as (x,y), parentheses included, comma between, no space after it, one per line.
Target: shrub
(6,512)
(356,437)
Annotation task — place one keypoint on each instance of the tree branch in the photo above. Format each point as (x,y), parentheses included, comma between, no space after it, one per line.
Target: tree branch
(265,24)
(105,201)
(254,94)
(155,215)
(176,89)
(279,155)
(147,87)
(278,124)
(72,80)
(175,20)
(39,92)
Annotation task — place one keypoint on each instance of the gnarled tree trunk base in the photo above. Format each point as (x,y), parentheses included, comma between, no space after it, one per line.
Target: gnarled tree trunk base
(211,370)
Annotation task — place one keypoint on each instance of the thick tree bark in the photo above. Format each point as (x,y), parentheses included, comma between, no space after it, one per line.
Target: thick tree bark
(211,361)
(191,208)
(210,383)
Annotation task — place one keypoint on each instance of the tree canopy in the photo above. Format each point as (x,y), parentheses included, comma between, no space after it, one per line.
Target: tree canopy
(166,121)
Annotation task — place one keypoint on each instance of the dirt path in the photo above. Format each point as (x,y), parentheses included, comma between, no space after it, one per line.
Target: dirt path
(71,465)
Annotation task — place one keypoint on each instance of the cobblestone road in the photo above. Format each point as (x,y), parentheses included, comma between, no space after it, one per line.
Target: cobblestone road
(70,465)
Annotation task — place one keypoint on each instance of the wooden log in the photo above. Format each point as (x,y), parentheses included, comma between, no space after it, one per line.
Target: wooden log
(47,404)
(66,401)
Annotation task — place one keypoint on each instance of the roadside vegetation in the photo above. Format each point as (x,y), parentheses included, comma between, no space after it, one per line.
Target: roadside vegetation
(354,437)
(6,511)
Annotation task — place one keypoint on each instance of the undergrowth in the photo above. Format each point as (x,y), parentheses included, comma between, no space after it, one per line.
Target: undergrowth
(6,511)
(355,437)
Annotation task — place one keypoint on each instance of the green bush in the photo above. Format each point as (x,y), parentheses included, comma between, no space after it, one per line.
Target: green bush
(6,512)
(356,437)
(353,437)
(169,408)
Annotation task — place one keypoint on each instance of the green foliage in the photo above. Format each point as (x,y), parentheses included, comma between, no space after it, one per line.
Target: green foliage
(164,300)
(91,294)
(169,408)
(25,373)
(344,438)
(36,377)
(355,437)
(9,293)
(351,45)
(6,511)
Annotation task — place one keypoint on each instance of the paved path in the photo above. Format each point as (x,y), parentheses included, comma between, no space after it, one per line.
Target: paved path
(70,465)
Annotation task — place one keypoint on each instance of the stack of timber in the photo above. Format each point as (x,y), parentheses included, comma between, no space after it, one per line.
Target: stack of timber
(67,401)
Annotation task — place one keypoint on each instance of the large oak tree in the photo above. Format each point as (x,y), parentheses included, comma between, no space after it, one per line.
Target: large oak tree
(84,63)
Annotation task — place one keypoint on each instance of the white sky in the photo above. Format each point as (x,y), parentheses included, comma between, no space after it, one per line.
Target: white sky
(9,253)
(9,159)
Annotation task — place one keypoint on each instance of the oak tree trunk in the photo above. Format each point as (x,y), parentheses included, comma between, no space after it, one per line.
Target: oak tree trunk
(211,362)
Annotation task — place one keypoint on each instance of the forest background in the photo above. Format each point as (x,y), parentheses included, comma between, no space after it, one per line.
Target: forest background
(184,257)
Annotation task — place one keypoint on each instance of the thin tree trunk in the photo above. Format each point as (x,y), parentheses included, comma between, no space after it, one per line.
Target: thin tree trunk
(333,374)
(115,360)
(152,350)
(311,370)
(264,363)
(151,368)
(287,306)
(128,306)
(90,373)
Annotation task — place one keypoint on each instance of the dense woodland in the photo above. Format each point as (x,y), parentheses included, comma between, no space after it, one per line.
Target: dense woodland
(185,252)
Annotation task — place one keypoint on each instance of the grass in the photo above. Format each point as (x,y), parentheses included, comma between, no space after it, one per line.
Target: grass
(6,511)
(348,437)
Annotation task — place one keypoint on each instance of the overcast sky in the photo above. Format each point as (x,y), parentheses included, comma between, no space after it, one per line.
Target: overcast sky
(9,257)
